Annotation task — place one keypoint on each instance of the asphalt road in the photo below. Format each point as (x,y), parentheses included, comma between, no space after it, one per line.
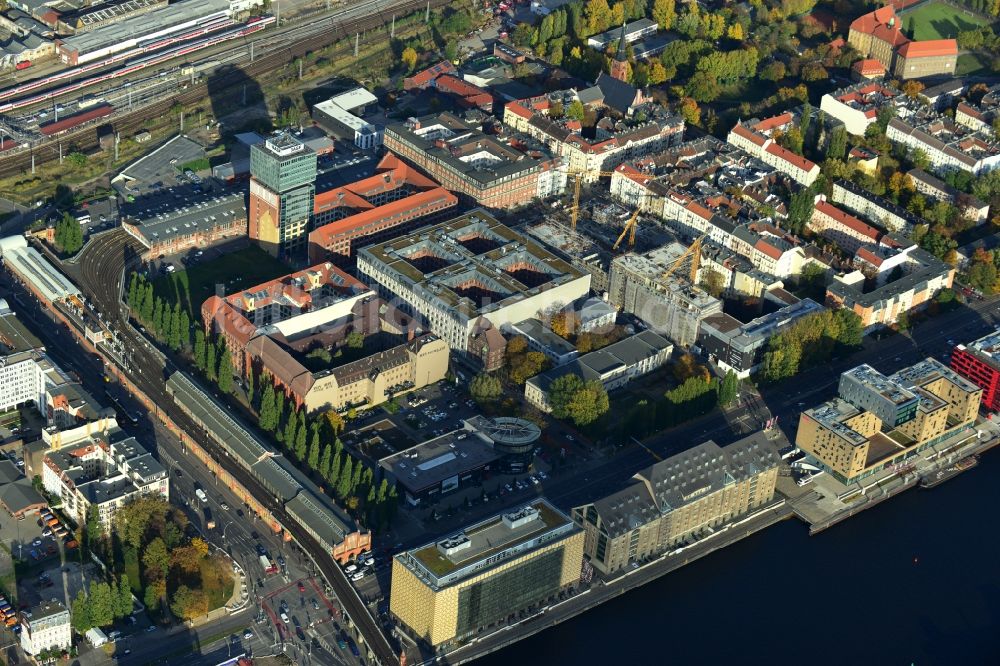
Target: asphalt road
(98,272)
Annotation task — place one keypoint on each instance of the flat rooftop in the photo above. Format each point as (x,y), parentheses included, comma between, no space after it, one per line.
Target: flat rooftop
(190,215)
(429,463)
(14,337)
(472,264)
(451,559)
(986,349)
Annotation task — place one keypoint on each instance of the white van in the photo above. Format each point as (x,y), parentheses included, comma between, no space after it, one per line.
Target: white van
(351,568)
(357,576)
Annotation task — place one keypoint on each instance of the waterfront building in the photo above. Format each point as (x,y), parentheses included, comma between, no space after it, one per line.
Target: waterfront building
(979,362)
(282,190)
(449,589)
(852,443)
(677,499)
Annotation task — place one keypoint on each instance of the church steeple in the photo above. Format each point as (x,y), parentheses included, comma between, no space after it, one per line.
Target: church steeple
(619,68)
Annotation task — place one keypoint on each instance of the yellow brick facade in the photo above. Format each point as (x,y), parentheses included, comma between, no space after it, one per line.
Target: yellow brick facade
(433,615)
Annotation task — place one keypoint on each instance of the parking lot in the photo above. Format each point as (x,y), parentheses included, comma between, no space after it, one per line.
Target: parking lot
(60,581)
(159,169)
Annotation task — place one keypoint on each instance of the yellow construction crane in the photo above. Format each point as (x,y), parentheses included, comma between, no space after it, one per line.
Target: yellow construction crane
(629,229)
(695,252)
(578,182)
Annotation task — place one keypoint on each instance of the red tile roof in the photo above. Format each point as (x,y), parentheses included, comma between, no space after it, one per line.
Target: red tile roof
(847,220)
(424,78)
(773,122)
(929,48)
(519,109)
(397,210)
(869,256)
(750,135)
(768,249)
(791,158)
(869,67)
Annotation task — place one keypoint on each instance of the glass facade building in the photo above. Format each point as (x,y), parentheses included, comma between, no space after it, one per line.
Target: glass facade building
(283,174)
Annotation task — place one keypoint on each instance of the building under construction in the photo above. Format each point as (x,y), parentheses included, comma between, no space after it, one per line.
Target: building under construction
(656,287)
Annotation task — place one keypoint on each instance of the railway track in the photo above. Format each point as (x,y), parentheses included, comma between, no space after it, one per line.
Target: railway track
(85,138)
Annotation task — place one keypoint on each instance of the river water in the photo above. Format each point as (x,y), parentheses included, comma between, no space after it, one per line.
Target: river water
(915,580)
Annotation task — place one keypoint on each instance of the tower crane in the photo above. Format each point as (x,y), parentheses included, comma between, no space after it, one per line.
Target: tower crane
(695,252)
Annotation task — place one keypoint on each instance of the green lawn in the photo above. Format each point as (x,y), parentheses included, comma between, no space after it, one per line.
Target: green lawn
(937,20)
(970,63)
(230,272)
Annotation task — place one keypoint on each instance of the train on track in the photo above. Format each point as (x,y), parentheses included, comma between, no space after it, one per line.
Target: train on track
(133,61)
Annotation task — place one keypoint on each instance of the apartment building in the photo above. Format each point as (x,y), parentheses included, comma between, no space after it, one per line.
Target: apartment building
(613,366)
(447,590)
(852,443)
(46,627)
(969,206)
(923,276)
(615,142)
(857,106)
(479,168)
(755,137)
(948,145)
(679,498)
(452,274)
(877,210)
(106,471)
(846,231)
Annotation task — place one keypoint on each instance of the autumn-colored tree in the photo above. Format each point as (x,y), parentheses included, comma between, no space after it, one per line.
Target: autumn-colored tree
(664,12)
(913,88)
(735,32)
(517,345)
(690,111)
(565,323)
(409,58)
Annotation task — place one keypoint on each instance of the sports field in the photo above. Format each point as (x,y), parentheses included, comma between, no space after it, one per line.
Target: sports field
(937,20)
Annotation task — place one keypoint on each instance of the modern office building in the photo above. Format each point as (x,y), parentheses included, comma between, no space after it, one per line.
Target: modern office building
(979,362)
(449,589)
(513,439)
(677,499)
(342,116)
(852,443)
(868,389)
(282,189)
(46,627)
(740,347)
(105,471)
(425,473)
(455,273)
(613,366)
